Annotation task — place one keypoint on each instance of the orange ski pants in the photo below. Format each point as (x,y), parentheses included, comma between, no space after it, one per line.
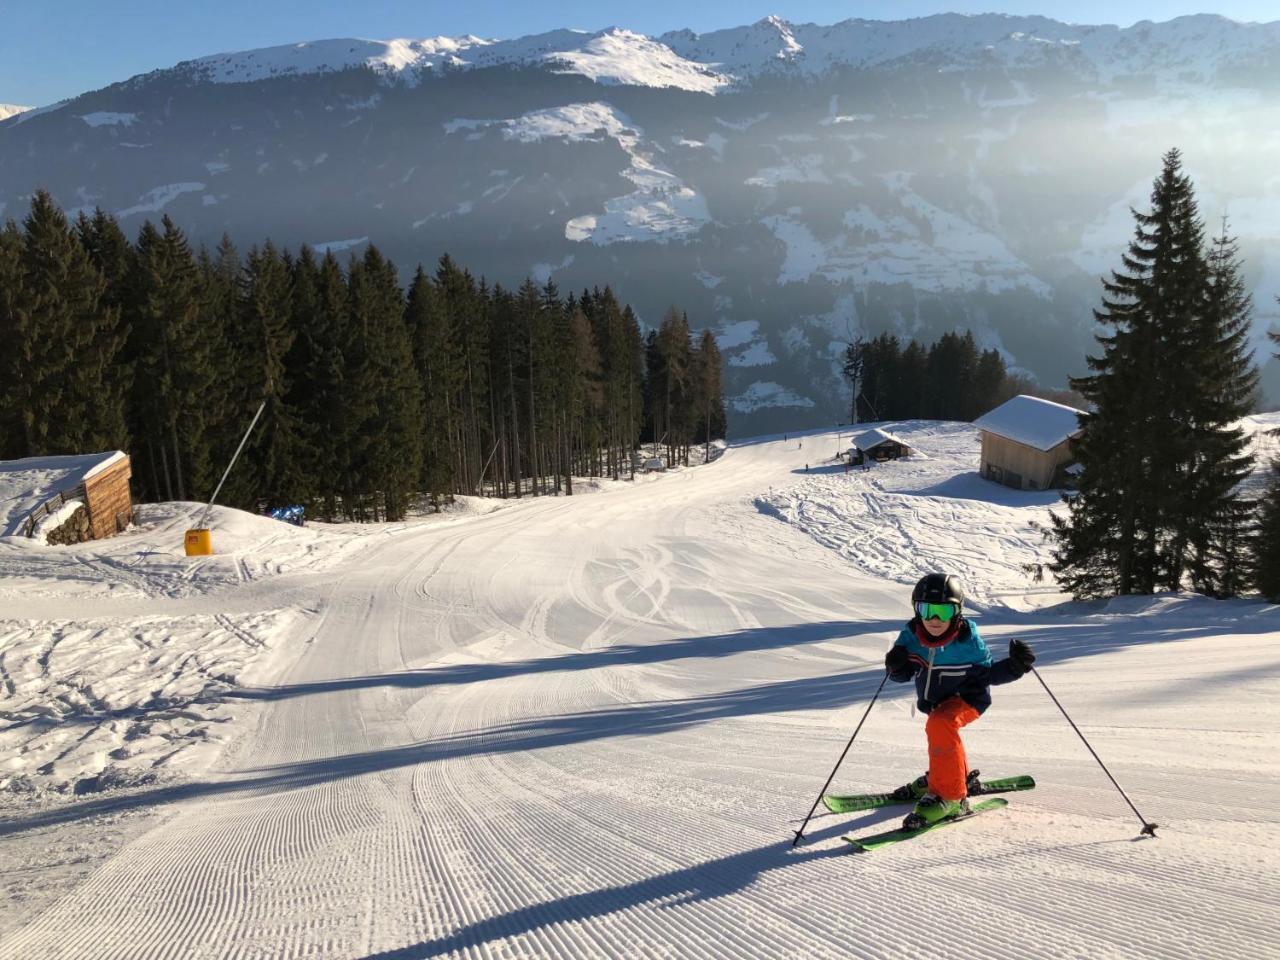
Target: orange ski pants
(948,767)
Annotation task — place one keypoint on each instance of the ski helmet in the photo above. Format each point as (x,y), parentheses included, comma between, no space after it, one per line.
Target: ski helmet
(939,588)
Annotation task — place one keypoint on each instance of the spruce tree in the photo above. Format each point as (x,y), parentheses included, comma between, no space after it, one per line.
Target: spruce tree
(394,461)
(66,343)
(174,348)
(710,392)
(218,325)
(271,471)
(1211,518)
(1157,449)
(329,407)
(1264,567)
(12,434)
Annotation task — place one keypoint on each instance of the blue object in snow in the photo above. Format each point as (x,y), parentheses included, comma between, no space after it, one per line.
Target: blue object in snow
(293,514)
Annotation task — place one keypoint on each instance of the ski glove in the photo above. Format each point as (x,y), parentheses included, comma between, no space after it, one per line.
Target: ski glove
(1021,654)
(896,660)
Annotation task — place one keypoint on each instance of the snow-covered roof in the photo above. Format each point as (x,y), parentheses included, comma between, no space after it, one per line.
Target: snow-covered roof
(25,484)
(1037,423)
(874,437)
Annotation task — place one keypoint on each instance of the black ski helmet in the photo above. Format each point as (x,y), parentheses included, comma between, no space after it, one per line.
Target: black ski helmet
(939,588)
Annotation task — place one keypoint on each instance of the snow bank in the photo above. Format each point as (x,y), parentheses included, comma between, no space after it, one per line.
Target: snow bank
(902,519)
(91,703)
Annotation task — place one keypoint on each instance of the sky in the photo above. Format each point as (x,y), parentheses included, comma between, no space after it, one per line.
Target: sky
(52,50)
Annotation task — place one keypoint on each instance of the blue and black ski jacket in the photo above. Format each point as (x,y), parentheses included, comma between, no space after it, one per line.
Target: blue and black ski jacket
(961,667)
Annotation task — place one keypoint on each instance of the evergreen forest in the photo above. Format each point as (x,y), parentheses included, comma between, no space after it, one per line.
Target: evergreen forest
(371,395)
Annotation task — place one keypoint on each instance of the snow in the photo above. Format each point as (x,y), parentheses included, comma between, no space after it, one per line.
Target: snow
(757,355)
(624,57)
(587,727)
(766,393)
(541,272)
(890,247)
(661,208)
(51,521)
(8,110)
(804,169)
(869,439)
(338,246)
(1037,423)
(610,56)
(736,334)
(26,484)
(160,197)
(105,119)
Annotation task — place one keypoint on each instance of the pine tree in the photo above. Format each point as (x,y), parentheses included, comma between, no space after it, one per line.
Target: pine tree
(217,326)
(1264,546)
(677,375)
(395,433)
(329,408)
(173,348)
(271,471)
(709,392)
(12,434)
(912,373)
(1147,486)
(65,342)
(989,382)
(1217,391)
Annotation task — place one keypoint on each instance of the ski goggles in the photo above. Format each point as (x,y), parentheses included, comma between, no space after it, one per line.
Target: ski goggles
(937,611)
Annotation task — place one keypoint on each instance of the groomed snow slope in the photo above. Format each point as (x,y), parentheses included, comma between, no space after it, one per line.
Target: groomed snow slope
(587,727)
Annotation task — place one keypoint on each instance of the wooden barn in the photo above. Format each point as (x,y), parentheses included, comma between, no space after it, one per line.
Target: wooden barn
(66,499)
(878,445)
(1026,443)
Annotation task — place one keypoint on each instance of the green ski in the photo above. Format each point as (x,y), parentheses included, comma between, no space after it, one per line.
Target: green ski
(863,844)
(870,801)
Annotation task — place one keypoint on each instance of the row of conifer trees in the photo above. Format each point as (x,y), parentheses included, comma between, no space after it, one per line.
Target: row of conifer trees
(949,379)
(371,394)
(1162,501)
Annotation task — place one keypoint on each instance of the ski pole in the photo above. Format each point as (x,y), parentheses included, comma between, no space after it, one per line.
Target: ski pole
(1148,828)
(822,792)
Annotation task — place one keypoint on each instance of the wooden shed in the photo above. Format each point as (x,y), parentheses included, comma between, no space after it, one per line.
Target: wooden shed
(879,445)
(66,498)
(1026,443)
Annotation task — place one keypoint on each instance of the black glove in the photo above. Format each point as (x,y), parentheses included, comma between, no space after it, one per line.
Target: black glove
(1021,654)
(896,659)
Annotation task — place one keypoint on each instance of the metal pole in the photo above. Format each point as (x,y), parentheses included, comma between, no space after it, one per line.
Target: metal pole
(205,516)
(1148,828)
(822,792)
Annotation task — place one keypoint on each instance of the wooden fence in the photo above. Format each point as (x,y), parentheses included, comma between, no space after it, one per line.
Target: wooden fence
(52,505)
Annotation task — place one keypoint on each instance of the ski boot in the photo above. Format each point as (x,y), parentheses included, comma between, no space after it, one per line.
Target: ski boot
(931,809)
(918,787)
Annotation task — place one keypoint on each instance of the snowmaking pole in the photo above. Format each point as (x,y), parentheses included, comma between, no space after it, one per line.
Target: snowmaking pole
(199,541)
(823,791)
(1148,828)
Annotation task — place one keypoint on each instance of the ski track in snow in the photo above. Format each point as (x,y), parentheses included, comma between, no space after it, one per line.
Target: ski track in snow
(586,727)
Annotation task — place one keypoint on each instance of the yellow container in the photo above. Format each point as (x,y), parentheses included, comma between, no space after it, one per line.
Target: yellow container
(199,543)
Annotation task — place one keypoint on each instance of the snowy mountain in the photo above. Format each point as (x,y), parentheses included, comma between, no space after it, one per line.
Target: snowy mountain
(8,110)
(787,184)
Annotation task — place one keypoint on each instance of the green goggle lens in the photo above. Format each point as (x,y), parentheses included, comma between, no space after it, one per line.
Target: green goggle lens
(937,611)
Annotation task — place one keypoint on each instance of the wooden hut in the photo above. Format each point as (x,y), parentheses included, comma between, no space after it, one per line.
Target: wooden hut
(1026,443)
(66,498)
(879,445)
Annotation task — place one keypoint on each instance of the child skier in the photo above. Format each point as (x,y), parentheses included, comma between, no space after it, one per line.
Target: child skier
(953,672)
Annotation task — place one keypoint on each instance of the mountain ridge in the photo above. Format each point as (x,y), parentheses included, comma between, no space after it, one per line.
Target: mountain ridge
(787,209)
